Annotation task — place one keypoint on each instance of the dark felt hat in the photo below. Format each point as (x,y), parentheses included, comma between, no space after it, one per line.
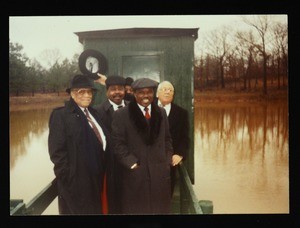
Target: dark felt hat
(81,81)
(114,80)
(91,62)
(129,81)
(144,83)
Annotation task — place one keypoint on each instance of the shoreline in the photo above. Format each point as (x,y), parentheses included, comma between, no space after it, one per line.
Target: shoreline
(207,97)
(49,100)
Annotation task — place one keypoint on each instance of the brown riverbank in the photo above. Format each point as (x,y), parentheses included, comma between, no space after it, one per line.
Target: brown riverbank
(227,97)
(51,100)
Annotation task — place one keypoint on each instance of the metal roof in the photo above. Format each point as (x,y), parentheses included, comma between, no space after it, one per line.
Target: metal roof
(138,32)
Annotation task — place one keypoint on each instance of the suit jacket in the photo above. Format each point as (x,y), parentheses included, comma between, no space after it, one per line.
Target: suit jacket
(78,157)
(146,189)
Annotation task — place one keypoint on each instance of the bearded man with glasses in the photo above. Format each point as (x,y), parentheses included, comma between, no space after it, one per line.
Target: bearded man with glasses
(78,145)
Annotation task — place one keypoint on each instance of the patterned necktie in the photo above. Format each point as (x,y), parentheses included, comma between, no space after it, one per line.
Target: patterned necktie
(93,125)
(147,115)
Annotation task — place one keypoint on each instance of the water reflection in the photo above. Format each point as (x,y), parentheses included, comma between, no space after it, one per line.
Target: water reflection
(30,167)
(241,158)
(24,127)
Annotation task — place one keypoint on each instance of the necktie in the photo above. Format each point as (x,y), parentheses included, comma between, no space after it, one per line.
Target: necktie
(93,125)
(120,106)
(147,115)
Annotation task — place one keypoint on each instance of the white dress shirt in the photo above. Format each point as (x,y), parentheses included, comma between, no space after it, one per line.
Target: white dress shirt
(166,107)
(115,106)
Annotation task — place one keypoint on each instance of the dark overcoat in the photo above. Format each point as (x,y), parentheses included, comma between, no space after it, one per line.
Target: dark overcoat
(146,189)
(78,157)
(106,110)
(179,129)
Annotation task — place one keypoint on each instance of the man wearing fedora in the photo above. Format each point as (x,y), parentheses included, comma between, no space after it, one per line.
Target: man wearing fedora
(143,147)
(78,143)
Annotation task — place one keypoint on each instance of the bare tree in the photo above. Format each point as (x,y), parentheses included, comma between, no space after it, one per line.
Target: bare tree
(219,47)
(51,57)
(280,50)
(261,24)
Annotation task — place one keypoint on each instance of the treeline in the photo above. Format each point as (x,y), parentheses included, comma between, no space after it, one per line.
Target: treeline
(252,58)
(27,76)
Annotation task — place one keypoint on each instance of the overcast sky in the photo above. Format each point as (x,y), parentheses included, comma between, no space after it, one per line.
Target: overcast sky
(39,33)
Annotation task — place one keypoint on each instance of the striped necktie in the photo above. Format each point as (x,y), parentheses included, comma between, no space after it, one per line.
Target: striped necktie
(93,125)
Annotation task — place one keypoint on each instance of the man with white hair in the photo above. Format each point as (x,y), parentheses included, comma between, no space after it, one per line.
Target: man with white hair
(178,125)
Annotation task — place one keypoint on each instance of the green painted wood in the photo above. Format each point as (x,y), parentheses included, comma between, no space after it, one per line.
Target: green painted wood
(188,199)
(175,49)
(38,204)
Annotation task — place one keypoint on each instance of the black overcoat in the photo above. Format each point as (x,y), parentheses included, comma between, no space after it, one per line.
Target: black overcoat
(78,157)
(145,190)
(106,110)
(179,129)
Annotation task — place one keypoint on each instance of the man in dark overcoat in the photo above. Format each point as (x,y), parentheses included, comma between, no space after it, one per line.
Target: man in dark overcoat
(77,153)
(178,124)
(143,146)
(115,93)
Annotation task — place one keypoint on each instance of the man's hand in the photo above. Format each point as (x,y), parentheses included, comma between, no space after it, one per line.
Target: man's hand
(135,165)
(101,80)
(176,159)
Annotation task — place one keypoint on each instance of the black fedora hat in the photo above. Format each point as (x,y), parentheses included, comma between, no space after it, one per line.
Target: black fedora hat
(129,81)
(115,80)
(91,62)
(81,81)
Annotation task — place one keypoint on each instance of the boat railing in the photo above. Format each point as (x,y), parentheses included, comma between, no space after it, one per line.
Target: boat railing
(38,204)
(189,204)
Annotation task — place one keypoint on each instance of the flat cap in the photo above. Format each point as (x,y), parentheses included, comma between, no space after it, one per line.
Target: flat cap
(114,80)
(144,83)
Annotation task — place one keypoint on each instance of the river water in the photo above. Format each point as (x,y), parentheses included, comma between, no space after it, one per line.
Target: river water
(241,157)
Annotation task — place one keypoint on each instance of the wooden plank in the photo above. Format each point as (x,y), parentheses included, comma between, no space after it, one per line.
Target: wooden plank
(188,193)
(42,200)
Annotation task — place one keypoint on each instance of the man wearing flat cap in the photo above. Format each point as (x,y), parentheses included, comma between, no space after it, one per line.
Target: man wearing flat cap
(115,92)
(143,147)
(78,144)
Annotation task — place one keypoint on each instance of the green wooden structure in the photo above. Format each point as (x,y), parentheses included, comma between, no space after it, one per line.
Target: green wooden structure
(158,53)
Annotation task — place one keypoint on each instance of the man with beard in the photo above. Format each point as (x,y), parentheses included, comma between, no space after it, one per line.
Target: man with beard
(115,92)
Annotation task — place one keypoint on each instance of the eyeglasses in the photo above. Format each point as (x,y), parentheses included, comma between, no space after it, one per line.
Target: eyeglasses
(167,90)
(81,92)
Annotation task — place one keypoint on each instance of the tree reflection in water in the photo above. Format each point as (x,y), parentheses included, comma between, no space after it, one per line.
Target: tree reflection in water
(241,157)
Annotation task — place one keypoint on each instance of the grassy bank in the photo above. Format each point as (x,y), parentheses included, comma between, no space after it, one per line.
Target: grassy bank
(49,100)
